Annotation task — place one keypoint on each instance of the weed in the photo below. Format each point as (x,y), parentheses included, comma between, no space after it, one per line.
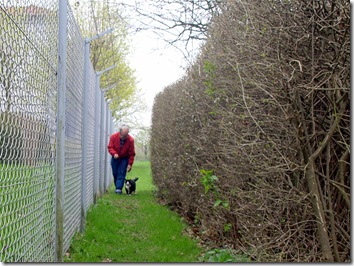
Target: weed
(208,179)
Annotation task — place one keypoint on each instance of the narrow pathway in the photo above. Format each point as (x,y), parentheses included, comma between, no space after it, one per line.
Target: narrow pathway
(136,228)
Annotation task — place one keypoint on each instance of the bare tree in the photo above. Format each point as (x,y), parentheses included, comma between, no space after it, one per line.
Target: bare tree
(183,24)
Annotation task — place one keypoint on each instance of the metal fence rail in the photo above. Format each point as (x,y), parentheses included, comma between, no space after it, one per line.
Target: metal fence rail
(29,137)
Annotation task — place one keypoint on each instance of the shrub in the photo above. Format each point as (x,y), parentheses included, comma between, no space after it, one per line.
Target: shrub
(266,108)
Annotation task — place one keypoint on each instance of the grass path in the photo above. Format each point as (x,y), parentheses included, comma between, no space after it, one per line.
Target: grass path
(136,228)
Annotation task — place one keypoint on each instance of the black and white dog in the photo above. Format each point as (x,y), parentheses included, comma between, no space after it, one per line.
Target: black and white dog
(130,186)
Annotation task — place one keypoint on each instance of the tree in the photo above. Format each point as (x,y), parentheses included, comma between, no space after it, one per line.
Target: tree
(95,17)
(142,141)
(183,24)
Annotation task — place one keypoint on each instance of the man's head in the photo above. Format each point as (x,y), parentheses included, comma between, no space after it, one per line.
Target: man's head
(124,131)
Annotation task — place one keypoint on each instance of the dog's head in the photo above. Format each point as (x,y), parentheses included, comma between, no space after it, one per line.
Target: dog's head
(128,183)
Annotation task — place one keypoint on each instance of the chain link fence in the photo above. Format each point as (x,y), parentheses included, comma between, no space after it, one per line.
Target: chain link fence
(29,133)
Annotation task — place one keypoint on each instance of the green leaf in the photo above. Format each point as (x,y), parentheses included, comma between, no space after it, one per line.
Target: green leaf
(227,227)
(225,204)
(217,203)
(214,178)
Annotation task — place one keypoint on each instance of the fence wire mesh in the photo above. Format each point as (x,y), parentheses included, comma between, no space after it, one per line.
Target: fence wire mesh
(28,113)
(73,114)
(103,147)
(91,135)
(97,144)
(27,130)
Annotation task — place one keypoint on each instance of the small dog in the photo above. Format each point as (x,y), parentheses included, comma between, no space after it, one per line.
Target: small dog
(130,186)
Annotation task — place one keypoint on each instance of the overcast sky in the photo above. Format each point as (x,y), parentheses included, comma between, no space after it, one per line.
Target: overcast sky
(156,66)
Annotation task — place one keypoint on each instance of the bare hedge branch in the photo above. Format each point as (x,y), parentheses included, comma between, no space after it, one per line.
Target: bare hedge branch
(252,146)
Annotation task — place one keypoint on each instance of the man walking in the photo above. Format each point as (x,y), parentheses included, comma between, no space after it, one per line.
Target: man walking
(121,147)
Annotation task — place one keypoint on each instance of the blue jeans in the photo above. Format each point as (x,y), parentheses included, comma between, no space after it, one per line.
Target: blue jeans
(119,170)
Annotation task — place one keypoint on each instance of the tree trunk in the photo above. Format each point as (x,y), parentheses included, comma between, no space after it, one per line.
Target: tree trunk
(317,206)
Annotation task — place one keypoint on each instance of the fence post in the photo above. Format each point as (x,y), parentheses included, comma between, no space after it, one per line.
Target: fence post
(60,143)
(102,150)
(106,153)
(111,131)
(96,140)
(98,149)
(109,173)
(84,134)
(112,125)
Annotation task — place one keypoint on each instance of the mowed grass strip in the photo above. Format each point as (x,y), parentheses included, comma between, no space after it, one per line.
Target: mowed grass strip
(121,228)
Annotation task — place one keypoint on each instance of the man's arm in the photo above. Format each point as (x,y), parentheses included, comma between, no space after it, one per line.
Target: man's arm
(111,148)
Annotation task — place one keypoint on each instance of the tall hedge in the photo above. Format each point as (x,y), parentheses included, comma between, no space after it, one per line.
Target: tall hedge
(252,145)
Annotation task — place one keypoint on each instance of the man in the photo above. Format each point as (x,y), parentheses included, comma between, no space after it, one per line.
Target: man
(121,147)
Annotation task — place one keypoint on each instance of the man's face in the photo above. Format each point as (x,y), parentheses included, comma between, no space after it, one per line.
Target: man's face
(124,133)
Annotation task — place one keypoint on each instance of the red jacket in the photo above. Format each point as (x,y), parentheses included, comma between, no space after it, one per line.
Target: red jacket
(127,151)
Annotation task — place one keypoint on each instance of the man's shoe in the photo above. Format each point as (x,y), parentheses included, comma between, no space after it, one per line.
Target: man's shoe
(118,191)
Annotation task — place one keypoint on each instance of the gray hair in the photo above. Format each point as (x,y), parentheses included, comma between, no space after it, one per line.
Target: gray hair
(123,126)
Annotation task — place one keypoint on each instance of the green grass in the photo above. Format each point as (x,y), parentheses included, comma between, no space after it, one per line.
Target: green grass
(121,228)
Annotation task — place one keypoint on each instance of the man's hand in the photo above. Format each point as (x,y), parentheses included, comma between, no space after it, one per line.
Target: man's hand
(116,156)
(129,168)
